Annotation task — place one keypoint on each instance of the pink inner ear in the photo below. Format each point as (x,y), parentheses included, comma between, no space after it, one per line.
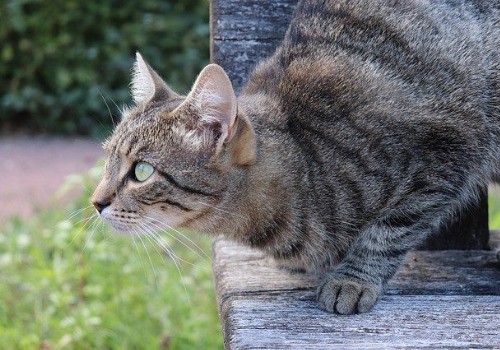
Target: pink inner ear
(214,95)
(210,108)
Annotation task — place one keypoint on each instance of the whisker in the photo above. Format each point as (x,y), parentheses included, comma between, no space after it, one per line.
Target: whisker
(107,106)
(86,222)
(163,230)
(160,241)
(117,107)
(172,256)
(177,266)
(150,260)
(76,212)
(139,253)
(92,229)
(108,236)
(145,231)
(152,236)
(168,227)
(94,215)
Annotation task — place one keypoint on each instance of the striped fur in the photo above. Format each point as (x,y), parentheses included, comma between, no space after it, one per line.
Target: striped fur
(369,128)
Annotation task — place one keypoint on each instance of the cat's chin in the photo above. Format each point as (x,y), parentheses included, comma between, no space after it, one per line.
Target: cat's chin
(138,227)
(124,230)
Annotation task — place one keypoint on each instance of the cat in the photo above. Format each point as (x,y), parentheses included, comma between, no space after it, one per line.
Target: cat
(368,128)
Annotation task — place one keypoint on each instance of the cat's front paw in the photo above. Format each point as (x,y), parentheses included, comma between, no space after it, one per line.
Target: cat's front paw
(344,295)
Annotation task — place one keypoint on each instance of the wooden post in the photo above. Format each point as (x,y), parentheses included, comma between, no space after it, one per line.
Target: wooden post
(243,32)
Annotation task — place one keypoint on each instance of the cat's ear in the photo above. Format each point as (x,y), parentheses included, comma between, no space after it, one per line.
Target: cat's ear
(147,84)
(214,99)
(215,105)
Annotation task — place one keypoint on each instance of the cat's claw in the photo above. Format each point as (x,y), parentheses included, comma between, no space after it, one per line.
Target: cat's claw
(347,296)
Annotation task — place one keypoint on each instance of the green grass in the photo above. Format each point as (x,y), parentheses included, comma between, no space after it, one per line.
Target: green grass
(65,288)
(494,210)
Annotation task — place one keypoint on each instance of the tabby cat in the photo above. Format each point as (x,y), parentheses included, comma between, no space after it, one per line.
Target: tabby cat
(371,125)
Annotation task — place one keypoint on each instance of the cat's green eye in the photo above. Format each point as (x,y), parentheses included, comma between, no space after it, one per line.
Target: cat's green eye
(143,171)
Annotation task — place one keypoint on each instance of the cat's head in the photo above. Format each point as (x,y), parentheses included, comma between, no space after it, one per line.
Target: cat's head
(173,160)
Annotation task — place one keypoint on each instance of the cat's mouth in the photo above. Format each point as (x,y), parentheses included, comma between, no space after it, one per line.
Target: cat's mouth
(123,222)
(135,224)
(124,229)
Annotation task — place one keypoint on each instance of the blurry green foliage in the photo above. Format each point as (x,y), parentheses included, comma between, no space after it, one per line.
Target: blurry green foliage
(59,59)
(494,210)
(67,282)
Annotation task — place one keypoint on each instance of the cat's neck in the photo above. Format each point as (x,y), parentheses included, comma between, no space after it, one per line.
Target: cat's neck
(266,196)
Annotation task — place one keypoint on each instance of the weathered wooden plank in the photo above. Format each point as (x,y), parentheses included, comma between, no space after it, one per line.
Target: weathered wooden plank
(242,20)
(438,299)
(287,321)
(452,272)
(495,240)
(240,269)
(243,32)
(239,57)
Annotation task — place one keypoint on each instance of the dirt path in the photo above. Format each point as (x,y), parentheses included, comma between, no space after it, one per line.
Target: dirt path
(33,169)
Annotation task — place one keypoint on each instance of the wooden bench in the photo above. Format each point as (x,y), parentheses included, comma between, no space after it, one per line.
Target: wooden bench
(438,299)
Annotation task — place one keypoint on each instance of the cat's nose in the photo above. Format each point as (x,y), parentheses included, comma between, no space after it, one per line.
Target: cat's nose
(100,206)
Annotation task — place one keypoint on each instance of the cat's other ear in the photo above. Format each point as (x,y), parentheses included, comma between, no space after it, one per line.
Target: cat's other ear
(147,85)
(215,103)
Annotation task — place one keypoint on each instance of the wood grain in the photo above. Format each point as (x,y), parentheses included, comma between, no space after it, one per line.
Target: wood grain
(243,32)
(438,299)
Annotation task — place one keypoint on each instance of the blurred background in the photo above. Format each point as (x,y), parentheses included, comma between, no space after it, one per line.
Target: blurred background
(66,282)
(63,62)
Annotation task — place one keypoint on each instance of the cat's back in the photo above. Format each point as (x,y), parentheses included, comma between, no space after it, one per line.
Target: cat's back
(338,57)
